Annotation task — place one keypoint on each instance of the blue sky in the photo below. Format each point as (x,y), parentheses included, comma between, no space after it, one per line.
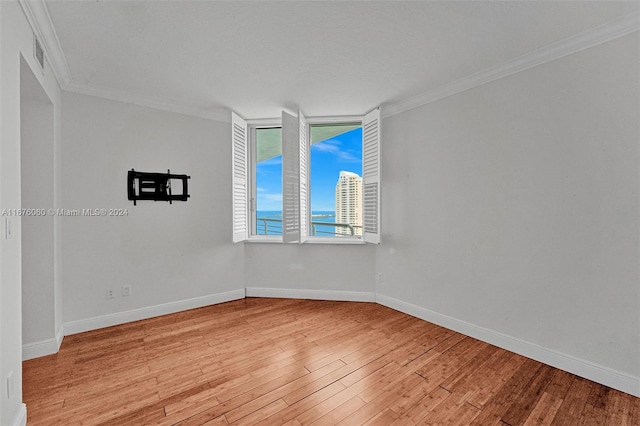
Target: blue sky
(328,158)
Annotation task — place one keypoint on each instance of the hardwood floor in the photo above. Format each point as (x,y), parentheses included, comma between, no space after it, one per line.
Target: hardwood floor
(299,362)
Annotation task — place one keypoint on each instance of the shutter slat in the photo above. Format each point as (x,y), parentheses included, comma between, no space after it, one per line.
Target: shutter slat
(290,179)
(371,176)
(239,177)
(304,161)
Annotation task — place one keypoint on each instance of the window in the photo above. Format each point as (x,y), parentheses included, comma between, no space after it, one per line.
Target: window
(265,205)
(335,179)
(294,150)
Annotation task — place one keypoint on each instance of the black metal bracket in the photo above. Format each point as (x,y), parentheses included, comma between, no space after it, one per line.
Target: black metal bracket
(155,186)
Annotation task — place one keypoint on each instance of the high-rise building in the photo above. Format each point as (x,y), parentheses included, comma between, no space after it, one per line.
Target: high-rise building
(349,203)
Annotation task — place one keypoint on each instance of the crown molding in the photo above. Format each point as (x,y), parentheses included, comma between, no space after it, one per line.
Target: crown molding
(609,31)
(38,16)
(39,19)
(218,114)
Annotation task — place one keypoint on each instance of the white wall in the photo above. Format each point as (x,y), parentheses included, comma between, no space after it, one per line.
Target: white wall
(342,272)
(15,40)
(513,208)
(173,256)
(37,161)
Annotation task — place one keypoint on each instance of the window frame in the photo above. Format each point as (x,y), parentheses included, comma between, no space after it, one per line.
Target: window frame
(312,121)
(297,176)
(252,126)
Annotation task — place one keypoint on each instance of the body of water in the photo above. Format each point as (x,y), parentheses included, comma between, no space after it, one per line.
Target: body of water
(270,223)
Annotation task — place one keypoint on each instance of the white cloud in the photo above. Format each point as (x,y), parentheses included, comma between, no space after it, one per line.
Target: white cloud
(347,157)
(332,146)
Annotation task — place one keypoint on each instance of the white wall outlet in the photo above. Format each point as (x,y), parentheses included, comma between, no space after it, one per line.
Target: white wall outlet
(126,290)
(380,278)
(110,293)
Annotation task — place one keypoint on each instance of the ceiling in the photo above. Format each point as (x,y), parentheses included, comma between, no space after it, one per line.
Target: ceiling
(327,58)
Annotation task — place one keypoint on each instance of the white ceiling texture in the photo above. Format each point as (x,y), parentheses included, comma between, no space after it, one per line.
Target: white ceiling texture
(326,57)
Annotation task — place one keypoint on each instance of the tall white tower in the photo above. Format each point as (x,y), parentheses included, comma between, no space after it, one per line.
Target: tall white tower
(349,203)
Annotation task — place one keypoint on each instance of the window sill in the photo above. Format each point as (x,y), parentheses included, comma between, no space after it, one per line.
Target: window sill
(264,239)
(334,240)
(312,240)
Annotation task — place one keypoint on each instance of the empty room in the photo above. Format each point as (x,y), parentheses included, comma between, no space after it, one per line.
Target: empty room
(319,212)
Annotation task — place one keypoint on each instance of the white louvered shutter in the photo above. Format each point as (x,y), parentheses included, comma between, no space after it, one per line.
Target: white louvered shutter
(239,180)
(371,175)
(304,180)
(290,179)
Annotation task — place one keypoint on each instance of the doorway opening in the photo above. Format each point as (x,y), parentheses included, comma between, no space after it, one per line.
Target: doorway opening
(37,200)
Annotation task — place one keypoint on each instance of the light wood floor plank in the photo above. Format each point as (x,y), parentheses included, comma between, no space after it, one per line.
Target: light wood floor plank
(340,412)
(300,362)
(312,400)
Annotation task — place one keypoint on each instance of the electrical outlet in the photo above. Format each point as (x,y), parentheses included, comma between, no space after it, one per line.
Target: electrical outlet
(126,290)
(110,293)
(380,278)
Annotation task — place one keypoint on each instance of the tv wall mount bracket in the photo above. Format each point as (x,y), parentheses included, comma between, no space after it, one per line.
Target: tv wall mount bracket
(156,186)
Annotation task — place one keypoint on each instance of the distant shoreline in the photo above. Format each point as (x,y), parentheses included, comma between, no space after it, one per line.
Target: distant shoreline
(270,220)
(272,214)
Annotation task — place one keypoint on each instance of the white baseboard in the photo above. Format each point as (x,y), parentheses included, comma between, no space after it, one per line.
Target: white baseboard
(43,347)
(95,323)
(289,293)
(21,417)
(589,370)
